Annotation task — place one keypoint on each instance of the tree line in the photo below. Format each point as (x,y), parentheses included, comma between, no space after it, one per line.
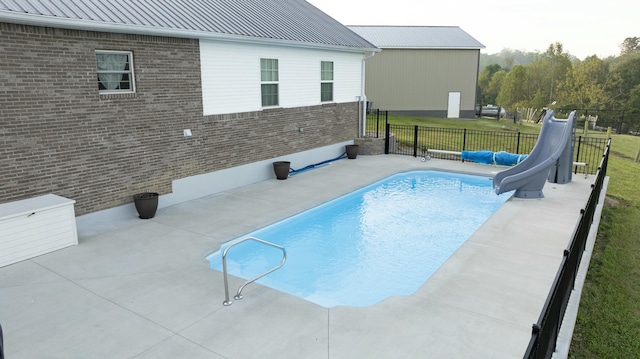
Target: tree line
(608,87)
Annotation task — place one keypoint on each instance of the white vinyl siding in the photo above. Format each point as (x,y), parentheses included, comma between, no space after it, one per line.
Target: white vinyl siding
(231,78)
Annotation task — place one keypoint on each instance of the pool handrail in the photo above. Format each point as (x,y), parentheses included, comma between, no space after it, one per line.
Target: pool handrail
(238,295)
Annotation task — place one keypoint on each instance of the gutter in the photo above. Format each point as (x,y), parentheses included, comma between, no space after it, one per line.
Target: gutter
(362,109)
(432,47)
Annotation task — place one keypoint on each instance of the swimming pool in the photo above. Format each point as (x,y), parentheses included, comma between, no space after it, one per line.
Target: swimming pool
(383,240)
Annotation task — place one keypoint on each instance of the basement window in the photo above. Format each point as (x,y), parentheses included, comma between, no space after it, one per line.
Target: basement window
(115,71)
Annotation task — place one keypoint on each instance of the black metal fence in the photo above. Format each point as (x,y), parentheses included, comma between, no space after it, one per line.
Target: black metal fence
(376,122)
(621,121)
(416,140)
(545,331)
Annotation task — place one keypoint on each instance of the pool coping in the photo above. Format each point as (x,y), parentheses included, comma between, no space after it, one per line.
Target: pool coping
(480,185)
(142,288)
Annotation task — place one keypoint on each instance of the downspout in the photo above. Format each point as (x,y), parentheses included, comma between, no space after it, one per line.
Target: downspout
(362,108)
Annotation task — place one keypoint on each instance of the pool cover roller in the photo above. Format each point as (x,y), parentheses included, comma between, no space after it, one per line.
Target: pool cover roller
(502,158)
(550,159)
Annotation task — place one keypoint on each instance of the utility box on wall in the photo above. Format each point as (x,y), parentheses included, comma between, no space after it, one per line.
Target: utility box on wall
(35,226)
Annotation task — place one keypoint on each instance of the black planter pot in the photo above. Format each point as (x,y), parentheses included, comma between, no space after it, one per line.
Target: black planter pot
(352,151)
(146,204)
(281,168)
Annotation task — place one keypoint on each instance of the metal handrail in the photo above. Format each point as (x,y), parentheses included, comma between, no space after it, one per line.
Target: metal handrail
(238,295)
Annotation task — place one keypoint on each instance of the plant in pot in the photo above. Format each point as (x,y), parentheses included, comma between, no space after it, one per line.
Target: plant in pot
(282,168)
(146,204)
(352,151)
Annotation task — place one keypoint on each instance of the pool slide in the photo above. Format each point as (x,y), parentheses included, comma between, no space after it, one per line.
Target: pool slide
(551,158)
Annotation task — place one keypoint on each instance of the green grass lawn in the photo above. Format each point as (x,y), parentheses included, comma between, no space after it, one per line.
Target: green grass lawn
(608,324)
(487,124)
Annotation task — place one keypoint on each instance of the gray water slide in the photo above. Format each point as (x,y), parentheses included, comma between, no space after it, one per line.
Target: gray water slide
(552,151)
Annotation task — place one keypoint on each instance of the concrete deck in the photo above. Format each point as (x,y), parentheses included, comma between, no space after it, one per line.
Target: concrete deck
(142,288)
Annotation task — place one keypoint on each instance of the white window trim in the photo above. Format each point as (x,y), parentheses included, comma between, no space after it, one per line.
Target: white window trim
(270,83)
(333,92)
(130,72)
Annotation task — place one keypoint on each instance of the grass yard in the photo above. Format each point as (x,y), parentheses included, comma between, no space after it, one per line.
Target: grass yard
(608,324)
(414,136)
(486,124)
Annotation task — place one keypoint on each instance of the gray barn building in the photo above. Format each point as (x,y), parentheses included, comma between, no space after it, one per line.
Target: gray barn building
(422,70)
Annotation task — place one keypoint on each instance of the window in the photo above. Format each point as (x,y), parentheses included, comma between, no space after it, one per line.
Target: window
(269,82)
(115,71)
(326,81)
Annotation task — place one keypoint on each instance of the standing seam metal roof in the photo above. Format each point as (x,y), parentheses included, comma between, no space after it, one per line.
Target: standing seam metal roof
(418,37)
(288,20)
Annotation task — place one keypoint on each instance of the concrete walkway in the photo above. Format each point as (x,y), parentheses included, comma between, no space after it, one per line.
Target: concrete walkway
(142,288)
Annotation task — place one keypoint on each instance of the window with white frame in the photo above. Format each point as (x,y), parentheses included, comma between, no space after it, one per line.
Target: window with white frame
(269,82)
(115,71)
(326,81)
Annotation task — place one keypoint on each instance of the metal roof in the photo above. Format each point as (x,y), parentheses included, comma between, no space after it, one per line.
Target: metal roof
(418,37)
(286,21)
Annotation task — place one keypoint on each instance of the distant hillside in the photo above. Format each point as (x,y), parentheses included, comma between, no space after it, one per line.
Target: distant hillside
(507,58)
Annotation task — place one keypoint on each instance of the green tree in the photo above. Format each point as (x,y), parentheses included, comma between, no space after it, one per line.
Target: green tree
(484,97)
(627,71)
(494,86)
(632,109)
(629,45)
(587,85)
(514,92)
(633,105)
(546,73)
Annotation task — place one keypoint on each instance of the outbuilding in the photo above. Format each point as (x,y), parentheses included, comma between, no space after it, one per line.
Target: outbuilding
(422,70)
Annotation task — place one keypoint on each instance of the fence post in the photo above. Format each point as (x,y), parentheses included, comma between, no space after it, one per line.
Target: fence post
(586,127)
(377,123)
(386,117)
(464,141)
(415,141)
(575,171)
(386,139)
(518,144)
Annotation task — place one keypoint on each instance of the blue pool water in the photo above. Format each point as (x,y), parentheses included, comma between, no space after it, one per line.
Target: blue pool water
(383,240)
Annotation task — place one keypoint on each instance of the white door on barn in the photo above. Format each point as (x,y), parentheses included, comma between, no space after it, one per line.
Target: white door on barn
(453,109)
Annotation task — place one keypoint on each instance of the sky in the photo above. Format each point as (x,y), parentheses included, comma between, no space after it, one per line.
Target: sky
(584,28)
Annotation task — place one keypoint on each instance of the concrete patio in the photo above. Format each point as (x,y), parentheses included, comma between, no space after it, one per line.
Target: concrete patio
(141,289)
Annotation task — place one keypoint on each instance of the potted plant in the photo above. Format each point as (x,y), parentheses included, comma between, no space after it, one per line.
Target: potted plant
(352,151)
(281,168)
(146,204)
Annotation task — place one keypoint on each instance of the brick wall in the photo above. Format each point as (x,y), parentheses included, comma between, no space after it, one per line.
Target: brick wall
(59,135)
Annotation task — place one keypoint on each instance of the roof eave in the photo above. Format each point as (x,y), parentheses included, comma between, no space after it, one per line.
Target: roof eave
(433,47)
(55,22)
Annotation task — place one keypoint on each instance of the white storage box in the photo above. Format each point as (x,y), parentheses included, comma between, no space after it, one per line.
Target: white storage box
(35,226)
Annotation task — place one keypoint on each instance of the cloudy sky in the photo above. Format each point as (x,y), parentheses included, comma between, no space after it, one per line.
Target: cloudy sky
(583,27)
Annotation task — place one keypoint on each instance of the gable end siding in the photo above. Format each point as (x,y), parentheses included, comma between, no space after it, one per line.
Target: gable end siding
(231,76)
